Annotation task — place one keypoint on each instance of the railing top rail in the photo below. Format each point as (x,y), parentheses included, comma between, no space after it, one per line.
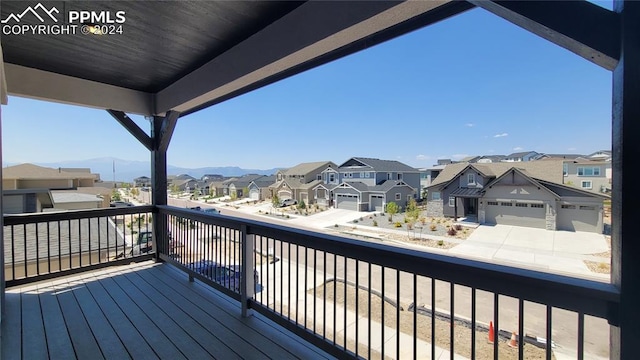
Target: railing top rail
(19,219)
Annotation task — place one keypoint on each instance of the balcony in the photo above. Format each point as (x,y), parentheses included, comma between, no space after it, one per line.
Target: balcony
(297,294)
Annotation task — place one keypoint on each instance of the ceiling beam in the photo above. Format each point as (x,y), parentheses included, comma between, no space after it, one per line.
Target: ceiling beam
(44,85)
(132,127)
(321,28)
(581,27)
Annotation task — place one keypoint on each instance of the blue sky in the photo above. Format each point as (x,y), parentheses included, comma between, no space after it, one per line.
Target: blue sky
(471,85)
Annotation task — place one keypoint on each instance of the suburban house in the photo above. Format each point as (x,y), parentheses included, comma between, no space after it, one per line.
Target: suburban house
(237,186)
(522,156)
(367,184)
(490,159)
(142,181)
(299,181)
(27,187)
(527,194)
(602,155)
(588,175)
(259,188)
(427,176)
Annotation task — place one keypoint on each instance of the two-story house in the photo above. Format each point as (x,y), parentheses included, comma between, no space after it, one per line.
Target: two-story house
(366,184)
(587,174)
(299,181)
(142,181)
(527,194)
(239,186)
(522,156)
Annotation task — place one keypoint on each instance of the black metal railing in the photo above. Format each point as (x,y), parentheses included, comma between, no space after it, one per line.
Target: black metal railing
(43,245)
(372,300)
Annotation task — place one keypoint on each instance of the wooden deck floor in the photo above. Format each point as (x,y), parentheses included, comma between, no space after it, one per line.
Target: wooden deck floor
(138,311)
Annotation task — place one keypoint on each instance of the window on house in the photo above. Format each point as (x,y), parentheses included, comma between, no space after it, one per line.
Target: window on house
(452,201)
(332,177)
(494,203)
(435,195)
(586,184)
(318,177)
(522,205)
(367,174)
(583,207)
(588,171)
(361,175)
(399,176)
(568,206)
(471,178)
(389,176)
(565,169)
(506,204)
(398,196)
(539,206)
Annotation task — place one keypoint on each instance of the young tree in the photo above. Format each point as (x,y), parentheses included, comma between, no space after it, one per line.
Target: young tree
(195,194)
(413,212)
(392,209)
(245,192)
(115,195)
(212,191)
(275,201)
(175,189)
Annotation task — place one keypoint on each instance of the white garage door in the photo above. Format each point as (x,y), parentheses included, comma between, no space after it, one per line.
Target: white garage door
(377,203)
(578,218)
(347,201)
(254,194)
(516,214)
(284,194)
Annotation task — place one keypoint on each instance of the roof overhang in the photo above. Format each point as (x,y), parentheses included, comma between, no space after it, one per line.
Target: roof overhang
(182,68)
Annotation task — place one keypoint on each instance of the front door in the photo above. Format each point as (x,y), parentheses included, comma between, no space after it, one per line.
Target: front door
(471,206)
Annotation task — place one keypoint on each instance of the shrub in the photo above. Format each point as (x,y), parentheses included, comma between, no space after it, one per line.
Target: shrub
(406,220)
(452,231)
(288,216)
(355,221)
(433,227)
(397,224)
(458,227)
(423,220)
(336,225)
(440,242)
(302,205)
(375,223)
(361,219)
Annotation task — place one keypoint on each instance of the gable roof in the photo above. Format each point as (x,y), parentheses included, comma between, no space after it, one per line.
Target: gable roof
(378,165)
(305,168)
(360,186)
(520,154)
(388,185)
(549,170)
(31,171)
(264,181)
(524,174)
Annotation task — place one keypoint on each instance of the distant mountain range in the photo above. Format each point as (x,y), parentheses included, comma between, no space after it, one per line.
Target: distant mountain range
(127,170)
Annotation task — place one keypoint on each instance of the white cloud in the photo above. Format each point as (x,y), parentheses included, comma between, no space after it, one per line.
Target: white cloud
(423,157)
(459,156)
(500,135)
(517,148)
(469,125)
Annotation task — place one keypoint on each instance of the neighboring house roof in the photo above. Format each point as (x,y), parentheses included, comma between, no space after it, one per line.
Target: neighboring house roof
(142,178)
(491,158)
(563,156)
(184,177)
(387,185)
(264,181)
(551,186)
(60,197)
(310,185)
(522,154)
(326,186)
(524,174)
(470,159)
(467,192)
(244,181)
(548,170)
(306,168)
(377,165)
(360,186)
(601,154)
(35,172)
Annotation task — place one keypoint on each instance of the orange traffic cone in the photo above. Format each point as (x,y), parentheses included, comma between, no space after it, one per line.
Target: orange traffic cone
(513,342)
(491,334)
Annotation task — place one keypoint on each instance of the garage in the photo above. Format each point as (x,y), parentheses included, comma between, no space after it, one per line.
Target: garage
(284,194)
(377,202)
(516,214)
(254,194)
(347,201)
(579,218)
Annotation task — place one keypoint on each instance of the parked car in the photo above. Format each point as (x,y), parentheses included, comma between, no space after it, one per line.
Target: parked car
(119,203)
(226,275)
(288,202)
(207,210)
(144,245)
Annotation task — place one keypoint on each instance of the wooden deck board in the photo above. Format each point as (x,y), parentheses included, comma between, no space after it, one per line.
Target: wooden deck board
(58,341)
(138,311)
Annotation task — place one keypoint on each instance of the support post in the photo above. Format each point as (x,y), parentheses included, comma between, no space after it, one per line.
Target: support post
(161,131)
(625,268)
(247,282)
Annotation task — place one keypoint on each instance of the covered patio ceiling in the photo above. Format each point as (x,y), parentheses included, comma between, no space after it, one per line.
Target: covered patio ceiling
(184,56)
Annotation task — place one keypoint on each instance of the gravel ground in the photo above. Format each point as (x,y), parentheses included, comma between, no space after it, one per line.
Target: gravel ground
(429,225)
(462,333)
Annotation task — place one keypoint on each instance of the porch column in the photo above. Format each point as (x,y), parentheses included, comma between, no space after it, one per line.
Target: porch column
(455,208)
(3,101)
(161,131)
(625,247)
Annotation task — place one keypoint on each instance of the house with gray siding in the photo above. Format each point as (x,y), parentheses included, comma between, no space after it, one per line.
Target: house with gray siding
(367,184)
(259,188)
(522,156)
(299,181)
(587,174)
(529,194)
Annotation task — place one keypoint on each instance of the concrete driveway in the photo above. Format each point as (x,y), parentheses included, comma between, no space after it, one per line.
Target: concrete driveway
(552,251)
